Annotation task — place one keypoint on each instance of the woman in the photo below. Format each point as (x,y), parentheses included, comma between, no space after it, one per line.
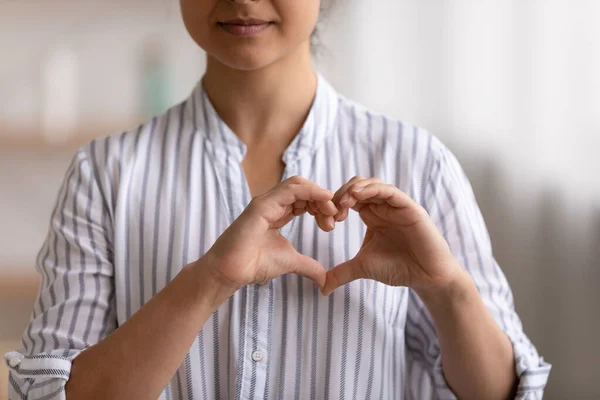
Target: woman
(185,258)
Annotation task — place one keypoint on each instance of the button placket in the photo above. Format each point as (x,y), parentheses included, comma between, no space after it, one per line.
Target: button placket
(256,342)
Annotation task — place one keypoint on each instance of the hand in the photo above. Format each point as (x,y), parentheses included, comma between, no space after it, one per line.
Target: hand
(402,246)
(252,250)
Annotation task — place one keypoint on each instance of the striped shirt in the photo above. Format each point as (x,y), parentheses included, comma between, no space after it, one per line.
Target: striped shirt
(135,208)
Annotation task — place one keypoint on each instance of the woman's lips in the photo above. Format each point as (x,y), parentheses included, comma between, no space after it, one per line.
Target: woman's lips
(240,27)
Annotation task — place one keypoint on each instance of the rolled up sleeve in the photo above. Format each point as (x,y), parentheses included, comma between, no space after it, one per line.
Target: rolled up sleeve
(450,201)
(41,376)
(75,304)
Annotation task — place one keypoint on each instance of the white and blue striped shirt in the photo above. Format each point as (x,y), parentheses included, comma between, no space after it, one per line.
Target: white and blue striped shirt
(137,207)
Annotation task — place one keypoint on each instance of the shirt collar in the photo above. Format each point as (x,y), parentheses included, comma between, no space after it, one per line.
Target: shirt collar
(320,121)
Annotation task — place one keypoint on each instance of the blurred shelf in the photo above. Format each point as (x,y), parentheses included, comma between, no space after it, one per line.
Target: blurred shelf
(39,144)
(30,139)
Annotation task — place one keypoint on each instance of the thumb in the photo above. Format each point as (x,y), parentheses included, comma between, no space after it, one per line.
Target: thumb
(342,274)
(309,268)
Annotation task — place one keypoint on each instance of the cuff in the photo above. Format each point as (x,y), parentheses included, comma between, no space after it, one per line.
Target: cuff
(532,372)
(39,376)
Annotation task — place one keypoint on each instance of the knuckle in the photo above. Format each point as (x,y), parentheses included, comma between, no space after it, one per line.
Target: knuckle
(290,186)
(361,271)
(297,179)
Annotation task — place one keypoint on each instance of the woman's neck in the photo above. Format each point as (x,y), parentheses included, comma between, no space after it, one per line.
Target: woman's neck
(268,104)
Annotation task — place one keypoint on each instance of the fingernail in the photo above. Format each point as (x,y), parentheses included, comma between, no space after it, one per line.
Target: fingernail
(358,189)
(344,198)
(332,225)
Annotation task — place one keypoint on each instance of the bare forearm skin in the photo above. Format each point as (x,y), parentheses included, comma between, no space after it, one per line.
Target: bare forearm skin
(140,357)
(477,356)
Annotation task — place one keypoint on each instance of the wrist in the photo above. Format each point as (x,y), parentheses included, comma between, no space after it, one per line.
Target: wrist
(210,289)
(458,287)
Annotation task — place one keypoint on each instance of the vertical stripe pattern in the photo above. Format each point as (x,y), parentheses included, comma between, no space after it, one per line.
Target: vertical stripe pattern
(137,207)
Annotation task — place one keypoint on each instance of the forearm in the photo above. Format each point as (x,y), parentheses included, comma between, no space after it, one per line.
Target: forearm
(139,358)
(477,356)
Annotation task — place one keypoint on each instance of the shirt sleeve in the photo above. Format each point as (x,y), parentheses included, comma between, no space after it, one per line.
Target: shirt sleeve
(449,200)
(75,304)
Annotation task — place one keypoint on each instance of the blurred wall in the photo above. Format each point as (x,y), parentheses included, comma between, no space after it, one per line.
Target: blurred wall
(511,87)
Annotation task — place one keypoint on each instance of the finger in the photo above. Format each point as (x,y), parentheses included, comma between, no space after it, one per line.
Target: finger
(341,275)
(273,205)
(338,194)
(291,192)
(283,221)
(298,211)
(313,209)
(341,215)
(375,200)
(327,207)
(355,185)
(349,201)
(359,206)
(311,212)
(310,268)
(300,204)
(381,192)
(299,207)
(325,222)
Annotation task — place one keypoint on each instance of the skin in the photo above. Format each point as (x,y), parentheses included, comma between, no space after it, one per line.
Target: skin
(262,87)
(403,247)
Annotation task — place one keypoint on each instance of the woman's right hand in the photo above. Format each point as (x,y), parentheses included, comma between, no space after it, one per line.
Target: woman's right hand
(252,250)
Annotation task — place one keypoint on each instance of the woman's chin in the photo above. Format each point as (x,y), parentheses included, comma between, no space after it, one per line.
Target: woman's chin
(246,59)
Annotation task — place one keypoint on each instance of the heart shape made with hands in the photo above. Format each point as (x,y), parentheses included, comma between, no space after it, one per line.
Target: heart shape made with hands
(347,197)
(401,247)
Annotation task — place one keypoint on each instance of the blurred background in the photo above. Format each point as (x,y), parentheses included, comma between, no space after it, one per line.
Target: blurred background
(512,87)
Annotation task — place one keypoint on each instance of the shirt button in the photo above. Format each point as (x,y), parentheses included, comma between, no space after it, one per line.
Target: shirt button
(14,362)
(257,355)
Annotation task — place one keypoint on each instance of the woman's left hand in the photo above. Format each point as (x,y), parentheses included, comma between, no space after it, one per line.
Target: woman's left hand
(402,246)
